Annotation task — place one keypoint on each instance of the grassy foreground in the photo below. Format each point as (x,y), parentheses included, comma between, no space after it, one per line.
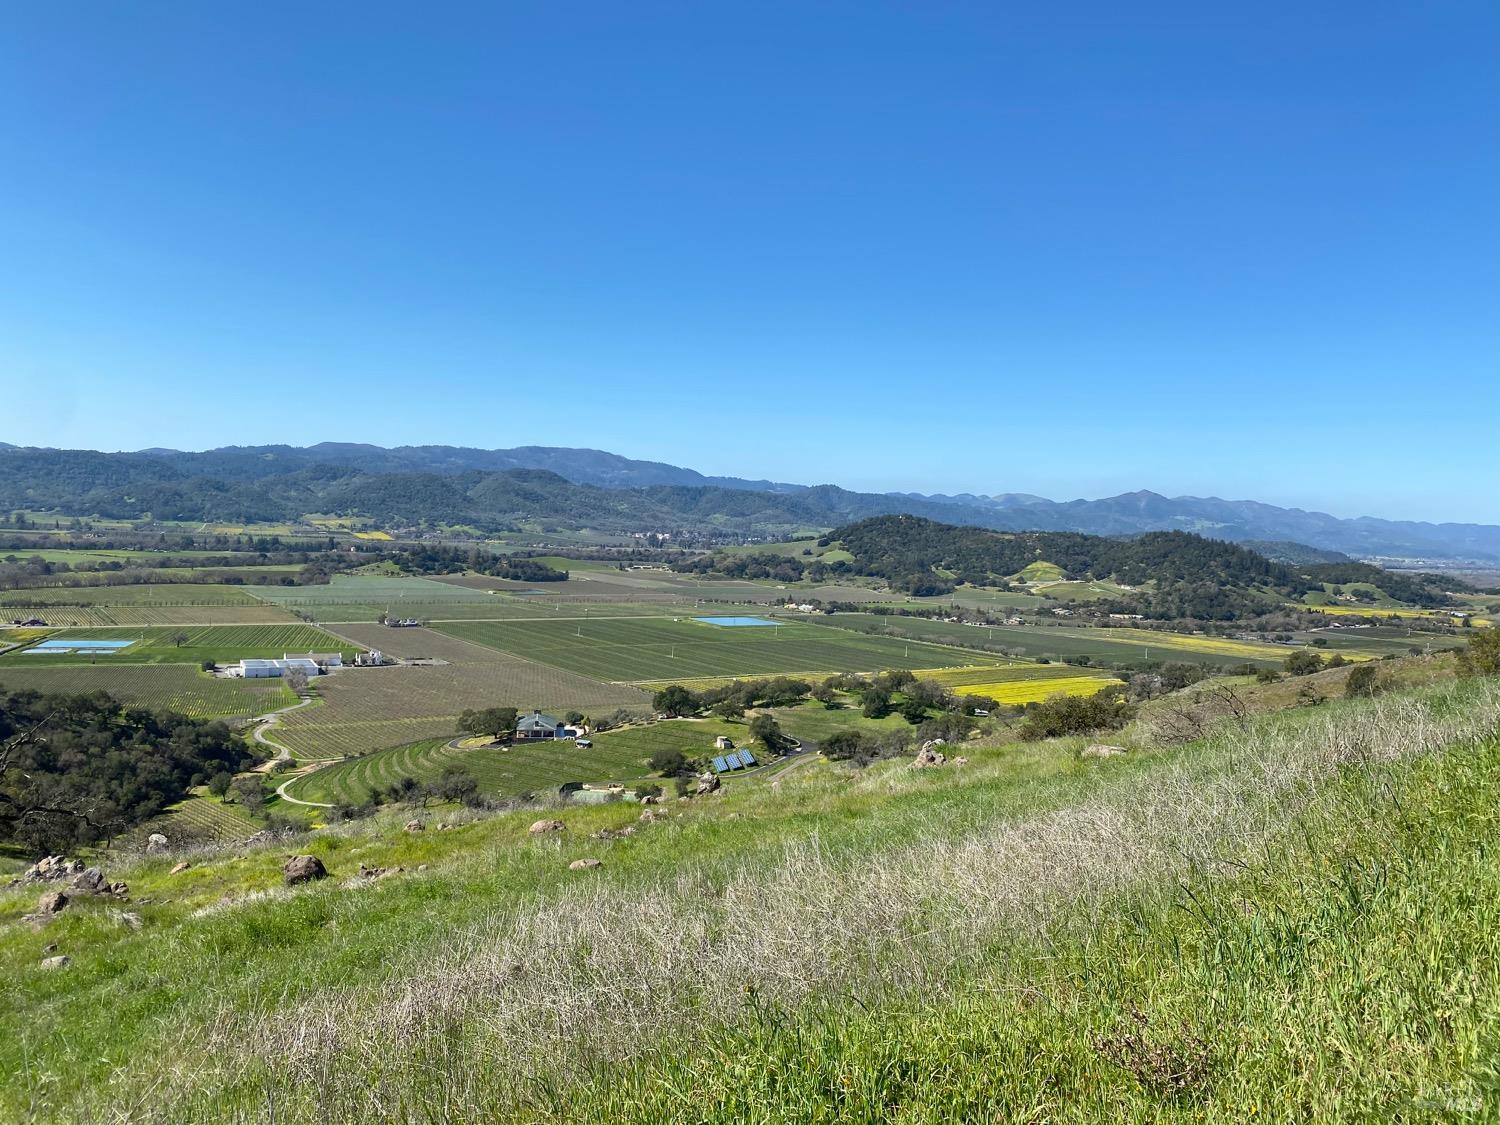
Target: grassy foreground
(1295,921)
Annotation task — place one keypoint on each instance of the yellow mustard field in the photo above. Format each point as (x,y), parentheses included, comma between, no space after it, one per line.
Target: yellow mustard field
(1034,691)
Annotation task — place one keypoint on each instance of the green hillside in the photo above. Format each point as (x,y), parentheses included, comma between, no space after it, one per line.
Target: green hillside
(1287,920)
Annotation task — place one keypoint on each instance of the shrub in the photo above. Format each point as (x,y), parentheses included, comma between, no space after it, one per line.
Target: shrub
(1361,681)
(1303,662)
(1077,714)
(1482,657)
(670,763)
(845,745)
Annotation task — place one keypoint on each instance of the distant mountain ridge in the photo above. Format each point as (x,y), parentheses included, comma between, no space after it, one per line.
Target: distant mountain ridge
(437,483)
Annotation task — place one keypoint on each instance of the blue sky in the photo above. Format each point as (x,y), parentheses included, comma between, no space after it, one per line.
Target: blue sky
(1070,249)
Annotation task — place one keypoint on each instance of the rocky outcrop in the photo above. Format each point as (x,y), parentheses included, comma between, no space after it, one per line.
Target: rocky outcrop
(303,869)
(929,756)
(542,827)
(156,842)
(415,825)
(60,961)
(91,881)
(585,864)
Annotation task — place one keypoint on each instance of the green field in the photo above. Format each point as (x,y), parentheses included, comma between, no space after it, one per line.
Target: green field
(1380,639)
(157,645)
(365,709)
(540,768)
(645,649)
(183,603)
(171,687)
(1058,642)
(165,594)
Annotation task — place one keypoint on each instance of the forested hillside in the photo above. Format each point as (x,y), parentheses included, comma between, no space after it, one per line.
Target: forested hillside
(491,489)
(1167,574)
(78,769)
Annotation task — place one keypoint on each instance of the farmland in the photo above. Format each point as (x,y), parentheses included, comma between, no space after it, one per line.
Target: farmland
(1034,690)
(161,604)
(666,648)
(158,645)
(363,598)
(538,768)
(1379,639)
(172,687)
(367,709)
(1057,642)
(203,818)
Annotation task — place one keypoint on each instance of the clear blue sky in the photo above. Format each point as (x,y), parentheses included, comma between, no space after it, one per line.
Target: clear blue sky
(1249,250)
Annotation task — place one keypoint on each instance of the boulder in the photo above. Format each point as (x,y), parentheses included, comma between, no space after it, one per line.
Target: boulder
(303,869)
(60,961)
(652,814)
(1102,750)
(542,827)
(651,800)
(928,757)
(180,868)
(585,864)
(53,902)
(89,881)
(707,783)
(130,920)
(960,761)
(415,825)
(156,842)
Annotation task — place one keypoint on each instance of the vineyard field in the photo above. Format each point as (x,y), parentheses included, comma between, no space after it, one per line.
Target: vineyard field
(159,645)
(172,687)
(536,768)
(650,649)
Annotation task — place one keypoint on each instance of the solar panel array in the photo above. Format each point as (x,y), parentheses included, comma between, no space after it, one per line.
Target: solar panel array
(739,760)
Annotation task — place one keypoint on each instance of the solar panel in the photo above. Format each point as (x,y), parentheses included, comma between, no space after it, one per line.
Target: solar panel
(720,766)
(745,757)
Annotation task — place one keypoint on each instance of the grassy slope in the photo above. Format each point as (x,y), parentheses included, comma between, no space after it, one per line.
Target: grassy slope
(1312,904)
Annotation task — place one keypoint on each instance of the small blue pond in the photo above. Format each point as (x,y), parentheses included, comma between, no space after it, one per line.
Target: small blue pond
(737,622)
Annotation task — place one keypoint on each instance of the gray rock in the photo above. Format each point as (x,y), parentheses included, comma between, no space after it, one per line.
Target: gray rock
(585,864)
(303,869)
(89,881)
(53,902)
(60,961)
(542,827)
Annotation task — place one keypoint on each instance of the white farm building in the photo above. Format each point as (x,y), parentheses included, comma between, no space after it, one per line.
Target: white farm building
(268,669)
